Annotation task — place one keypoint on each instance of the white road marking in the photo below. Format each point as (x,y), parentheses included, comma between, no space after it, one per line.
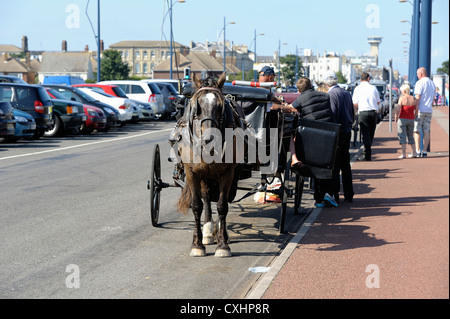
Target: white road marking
(82,145)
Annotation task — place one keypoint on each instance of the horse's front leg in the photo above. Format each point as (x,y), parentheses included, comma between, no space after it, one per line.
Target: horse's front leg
(197,250)
(209,230)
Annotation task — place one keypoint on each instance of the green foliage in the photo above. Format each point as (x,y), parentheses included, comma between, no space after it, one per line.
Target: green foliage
(444,68)
(248,76)
(112,66)
(288,71)
(341,77)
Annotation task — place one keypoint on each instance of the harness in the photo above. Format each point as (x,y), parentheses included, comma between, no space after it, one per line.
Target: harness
(193,113)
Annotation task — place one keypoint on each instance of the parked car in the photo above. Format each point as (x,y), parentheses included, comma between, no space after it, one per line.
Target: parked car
(74,94)
(96,119)
(32,99)
(142,91)
(144,109)
(68,115)
(11,79)
(122,105)
(7,121)
(25,126)
(170,95)
(177,84)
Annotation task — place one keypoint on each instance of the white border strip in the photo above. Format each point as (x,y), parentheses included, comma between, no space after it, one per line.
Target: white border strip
(82,145)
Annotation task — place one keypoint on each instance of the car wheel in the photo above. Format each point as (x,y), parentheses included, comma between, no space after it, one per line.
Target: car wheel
(56,129)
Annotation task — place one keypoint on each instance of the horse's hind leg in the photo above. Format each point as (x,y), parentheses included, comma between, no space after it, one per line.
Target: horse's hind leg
(209,225)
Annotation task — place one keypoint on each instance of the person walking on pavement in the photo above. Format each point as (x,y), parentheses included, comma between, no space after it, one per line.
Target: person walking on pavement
(315,105)
(405,114)
(424,92)
(366,100)
(342,107)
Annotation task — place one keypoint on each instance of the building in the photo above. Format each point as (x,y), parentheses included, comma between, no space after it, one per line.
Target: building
(144,56)
(21,68)
(374,47)
(77,64)
(203,64)
(238,57)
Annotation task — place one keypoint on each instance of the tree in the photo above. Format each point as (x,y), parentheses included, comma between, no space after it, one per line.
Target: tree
(248,76)
(341,77)
(444,68)
(112,66)
(288,71)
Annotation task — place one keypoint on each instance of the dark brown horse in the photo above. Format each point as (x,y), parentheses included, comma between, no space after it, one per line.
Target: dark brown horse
(207,108)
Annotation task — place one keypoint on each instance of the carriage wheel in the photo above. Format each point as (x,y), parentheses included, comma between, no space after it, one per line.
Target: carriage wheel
(153,185)
(299,184)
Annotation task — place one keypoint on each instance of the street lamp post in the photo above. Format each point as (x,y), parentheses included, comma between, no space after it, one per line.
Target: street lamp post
(98,43)
(425,35)
(255,72)
(171,34)
(279,62)
(224,40)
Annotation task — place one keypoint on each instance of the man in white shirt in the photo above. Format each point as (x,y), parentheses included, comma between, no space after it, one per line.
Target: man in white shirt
(366,100)
(424,92)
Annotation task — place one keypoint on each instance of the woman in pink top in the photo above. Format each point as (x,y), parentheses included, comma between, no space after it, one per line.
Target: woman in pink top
(404,116)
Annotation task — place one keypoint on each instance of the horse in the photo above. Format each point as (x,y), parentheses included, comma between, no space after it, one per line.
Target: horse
(206,111)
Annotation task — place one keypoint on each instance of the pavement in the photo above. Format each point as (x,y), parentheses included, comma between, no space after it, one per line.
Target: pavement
(391,242)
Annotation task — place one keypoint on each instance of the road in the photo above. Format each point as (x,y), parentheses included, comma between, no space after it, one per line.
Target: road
(75,223)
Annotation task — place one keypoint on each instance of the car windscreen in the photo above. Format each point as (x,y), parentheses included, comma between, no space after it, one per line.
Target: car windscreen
(119,92)
(56,94)
(154,88)
(103,93)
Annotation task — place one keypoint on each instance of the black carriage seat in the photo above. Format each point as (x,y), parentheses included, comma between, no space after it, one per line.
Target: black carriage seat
(252,101)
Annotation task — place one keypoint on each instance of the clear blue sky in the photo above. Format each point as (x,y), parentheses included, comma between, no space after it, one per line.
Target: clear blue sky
(326,25)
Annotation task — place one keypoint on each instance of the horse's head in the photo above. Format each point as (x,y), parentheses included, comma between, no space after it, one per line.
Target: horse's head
(208,103)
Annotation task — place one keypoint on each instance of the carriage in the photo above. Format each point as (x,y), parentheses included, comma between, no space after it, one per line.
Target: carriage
(273,132)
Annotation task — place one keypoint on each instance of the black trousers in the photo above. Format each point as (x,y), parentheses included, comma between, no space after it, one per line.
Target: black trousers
(368,124)
(322,186)
(342,166)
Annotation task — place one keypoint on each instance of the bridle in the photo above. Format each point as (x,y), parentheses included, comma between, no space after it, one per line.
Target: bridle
(218,125)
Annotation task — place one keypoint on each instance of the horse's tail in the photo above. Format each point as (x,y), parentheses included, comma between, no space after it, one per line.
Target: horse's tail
(184,202)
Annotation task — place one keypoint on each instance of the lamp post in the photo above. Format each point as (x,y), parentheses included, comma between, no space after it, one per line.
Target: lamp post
(224,40)
(279,62)
(98,43)
(171,34)
(425,35)
(255,72)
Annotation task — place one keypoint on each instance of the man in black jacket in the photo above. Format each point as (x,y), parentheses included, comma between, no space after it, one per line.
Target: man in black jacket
(315,105)
(342,106)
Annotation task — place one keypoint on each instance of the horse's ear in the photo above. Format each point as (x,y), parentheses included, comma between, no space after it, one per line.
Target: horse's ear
(197,82)
(222,80)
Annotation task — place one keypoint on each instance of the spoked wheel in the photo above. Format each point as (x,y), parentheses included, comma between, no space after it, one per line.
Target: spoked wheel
(154,185)
(285,195)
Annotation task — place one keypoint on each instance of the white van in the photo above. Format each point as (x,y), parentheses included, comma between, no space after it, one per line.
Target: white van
(142,91)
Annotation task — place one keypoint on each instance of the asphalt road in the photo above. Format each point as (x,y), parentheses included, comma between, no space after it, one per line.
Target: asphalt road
(75,223)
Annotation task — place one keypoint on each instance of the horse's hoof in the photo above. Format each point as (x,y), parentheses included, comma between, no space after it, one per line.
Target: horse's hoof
(198,252)
(223,253)
(208,240)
